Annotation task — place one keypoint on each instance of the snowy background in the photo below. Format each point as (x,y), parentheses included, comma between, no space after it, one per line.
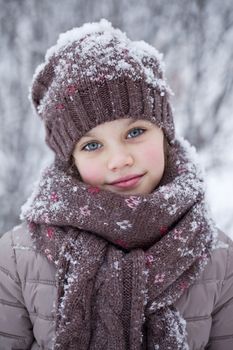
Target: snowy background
(196,37)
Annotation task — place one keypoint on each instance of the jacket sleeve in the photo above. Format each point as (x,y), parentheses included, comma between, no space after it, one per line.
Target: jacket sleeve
(221,336)
(15,325)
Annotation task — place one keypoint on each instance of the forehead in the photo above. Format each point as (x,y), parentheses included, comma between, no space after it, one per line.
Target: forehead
(114,125)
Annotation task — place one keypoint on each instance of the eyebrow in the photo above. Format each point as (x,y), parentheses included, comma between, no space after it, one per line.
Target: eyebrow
(131,121)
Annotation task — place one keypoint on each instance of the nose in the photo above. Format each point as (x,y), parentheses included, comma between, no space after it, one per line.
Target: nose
(119,158)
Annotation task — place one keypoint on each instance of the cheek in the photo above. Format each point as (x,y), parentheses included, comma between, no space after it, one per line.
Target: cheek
(90,172)
(154,155)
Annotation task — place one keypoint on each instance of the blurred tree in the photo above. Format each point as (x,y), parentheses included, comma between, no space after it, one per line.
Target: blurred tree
(196,37)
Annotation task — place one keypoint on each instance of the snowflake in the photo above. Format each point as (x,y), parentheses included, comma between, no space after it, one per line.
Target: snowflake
(48,254)
(133,201)
(50,232)
(84,211)
(149,260)
(54,197)
(159,278)
(177,234)
(183,285)
(124,224)
(116,265)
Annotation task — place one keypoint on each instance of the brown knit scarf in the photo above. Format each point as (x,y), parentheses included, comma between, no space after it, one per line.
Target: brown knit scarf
(122,261)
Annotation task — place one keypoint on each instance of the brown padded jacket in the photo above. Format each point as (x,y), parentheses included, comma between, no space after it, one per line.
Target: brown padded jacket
(28,292)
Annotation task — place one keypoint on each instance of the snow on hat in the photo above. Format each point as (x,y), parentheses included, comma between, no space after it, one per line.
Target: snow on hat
(96,74)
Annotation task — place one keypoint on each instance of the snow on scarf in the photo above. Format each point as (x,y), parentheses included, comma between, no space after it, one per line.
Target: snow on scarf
(122,261)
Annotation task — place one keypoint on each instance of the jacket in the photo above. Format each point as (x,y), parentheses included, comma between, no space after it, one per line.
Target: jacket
(28,294)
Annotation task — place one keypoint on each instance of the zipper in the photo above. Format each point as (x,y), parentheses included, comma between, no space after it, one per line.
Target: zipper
(127,294)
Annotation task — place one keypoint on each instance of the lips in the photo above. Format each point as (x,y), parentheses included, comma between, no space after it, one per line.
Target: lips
(130,182)
(125,178)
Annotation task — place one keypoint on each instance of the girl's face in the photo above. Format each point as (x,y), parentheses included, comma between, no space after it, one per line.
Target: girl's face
(118,149)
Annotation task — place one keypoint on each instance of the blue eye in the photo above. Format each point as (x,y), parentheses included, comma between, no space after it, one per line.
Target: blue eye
(93,146)
(135,134)
(90,144)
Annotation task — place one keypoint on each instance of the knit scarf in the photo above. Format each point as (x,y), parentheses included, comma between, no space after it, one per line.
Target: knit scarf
(122,260)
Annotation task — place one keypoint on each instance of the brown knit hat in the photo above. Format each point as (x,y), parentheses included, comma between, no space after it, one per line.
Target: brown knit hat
(96,74)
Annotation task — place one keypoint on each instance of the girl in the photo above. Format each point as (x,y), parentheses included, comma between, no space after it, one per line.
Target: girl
(116,249)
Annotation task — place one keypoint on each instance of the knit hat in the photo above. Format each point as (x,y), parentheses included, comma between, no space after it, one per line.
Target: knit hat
(96,74)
